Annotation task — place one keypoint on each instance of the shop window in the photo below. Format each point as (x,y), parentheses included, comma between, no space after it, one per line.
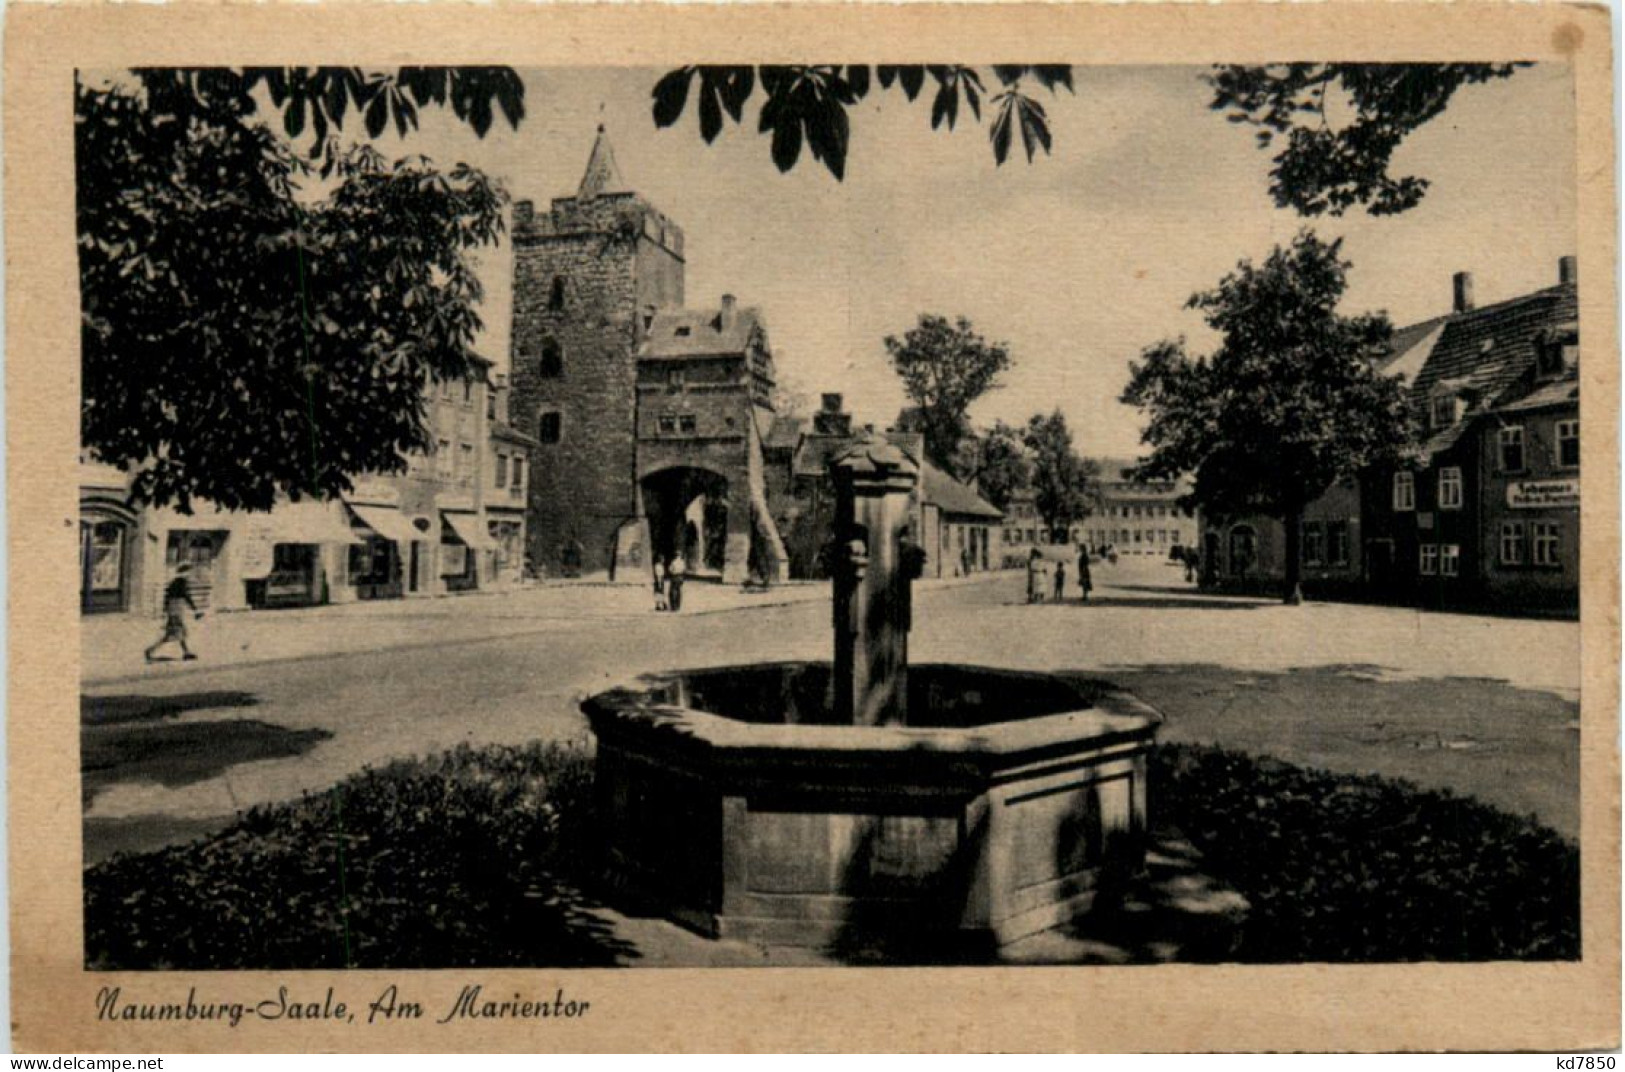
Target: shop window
(550,427)
(1510,443)
(1429,564)
(1544,540)
(1568,444)
(552,363)
(1337,543)
(1512,543)
(1449,560)
(1404,492)
(1450,488)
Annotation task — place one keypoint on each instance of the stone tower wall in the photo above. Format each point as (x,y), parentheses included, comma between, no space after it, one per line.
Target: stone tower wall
(617,257)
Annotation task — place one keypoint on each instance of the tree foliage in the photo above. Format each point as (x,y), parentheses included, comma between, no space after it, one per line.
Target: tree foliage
(1288,404)
(945,366)
(996,462)
(1066,487)
(1341,124)
(808,106)
(241,338)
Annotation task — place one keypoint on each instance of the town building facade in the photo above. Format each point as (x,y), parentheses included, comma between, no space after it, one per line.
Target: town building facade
(960,533)
(648,416)
(427,530)
(1490,514)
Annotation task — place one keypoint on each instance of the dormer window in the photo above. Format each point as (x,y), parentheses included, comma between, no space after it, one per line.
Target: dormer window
(1557,352)
(1446,410)
(684,331)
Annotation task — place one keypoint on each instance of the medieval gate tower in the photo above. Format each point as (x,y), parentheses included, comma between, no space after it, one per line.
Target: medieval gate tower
(648,415)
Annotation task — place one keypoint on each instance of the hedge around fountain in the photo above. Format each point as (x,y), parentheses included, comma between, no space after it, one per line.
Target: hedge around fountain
(478,857)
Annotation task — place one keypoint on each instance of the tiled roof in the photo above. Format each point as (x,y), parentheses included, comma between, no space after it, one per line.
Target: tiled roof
(785,432)
(512,434)
(952,497)
(1491,348)
(1410,346)
(699,333)
(1560,393)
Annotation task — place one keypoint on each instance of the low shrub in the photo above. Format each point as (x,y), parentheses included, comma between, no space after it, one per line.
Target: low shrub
(1358,868)
(462,859)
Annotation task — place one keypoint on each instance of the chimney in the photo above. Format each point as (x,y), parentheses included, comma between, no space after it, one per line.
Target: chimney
(829,420)
(1568,272)
(728,311)
(1464,292)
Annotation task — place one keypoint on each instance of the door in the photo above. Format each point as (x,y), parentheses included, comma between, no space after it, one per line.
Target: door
(198,550)
(102,547)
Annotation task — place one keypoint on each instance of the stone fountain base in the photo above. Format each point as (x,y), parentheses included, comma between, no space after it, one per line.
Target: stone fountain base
(731,805)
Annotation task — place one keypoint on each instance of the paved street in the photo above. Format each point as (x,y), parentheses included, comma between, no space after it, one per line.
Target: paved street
(1483,706)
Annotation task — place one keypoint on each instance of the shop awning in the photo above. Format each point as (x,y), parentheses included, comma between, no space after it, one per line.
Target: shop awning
(310,522)
(468,529)
(387,522)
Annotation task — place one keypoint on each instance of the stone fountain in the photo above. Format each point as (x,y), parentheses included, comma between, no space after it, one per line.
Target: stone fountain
(864,800)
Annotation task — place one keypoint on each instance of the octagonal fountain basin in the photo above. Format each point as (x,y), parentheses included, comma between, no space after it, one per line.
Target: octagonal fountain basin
(730,804)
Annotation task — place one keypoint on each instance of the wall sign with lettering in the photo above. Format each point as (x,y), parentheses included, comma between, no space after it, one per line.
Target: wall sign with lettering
(1543,494)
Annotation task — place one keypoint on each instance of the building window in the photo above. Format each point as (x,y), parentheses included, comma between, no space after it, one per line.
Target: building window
(490,405)
(555,298)
(552,365)
(1449,559)
(465,461)
(442,457)
(1337,543)
(1510,441)
(668,424)
(1450,488)
(1512,543)
(1568,444)
(1430,559)
(1314,544)
(1404,492)
(674,379)
(686,424)
(502,471)
(1444,411)
(549,428)
(468,392)
(1545,543)
(518,472)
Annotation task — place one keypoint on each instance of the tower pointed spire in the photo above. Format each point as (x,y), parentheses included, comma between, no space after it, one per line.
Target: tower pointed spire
(601,176)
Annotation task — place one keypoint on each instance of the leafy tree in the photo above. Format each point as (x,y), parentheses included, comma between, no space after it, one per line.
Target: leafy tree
(241,337)
(944,367)
(1341,124)
(997,463)
(1289,403)
(1066,487)
(808,105)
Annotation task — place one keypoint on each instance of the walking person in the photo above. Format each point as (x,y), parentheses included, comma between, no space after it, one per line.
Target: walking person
(1060,581)
(177,602)
(676,570)
(1032,576)
(1085,582)
(660,583)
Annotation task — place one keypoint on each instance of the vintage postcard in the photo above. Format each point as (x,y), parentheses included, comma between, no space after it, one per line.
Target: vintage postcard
(1089,527)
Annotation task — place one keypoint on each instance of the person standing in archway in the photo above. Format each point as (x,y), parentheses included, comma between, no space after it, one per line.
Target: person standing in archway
(676,571)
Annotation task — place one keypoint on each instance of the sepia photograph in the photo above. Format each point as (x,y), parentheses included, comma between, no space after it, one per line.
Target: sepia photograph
(698,515)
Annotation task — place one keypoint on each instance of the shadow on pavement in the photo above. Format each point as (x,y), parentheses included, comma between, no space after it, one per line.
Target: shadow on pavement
(112,710)
(181,753)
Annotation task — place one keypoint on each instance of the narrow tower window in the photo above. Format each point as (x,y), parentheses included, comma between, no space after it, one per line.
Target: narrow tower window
(555,300)
(552,359)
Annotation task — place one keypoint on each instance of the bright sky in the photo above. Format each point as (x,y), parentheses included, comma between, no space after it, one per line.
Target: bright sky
(1078,261)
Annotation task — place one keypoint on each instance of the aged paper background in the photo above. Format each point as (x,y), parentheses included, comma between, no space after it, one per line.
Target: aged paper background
(1407,1007)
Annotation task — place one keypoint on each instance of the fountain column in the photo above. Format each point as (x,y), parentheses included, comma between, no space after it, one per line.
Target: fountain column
(876,558)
